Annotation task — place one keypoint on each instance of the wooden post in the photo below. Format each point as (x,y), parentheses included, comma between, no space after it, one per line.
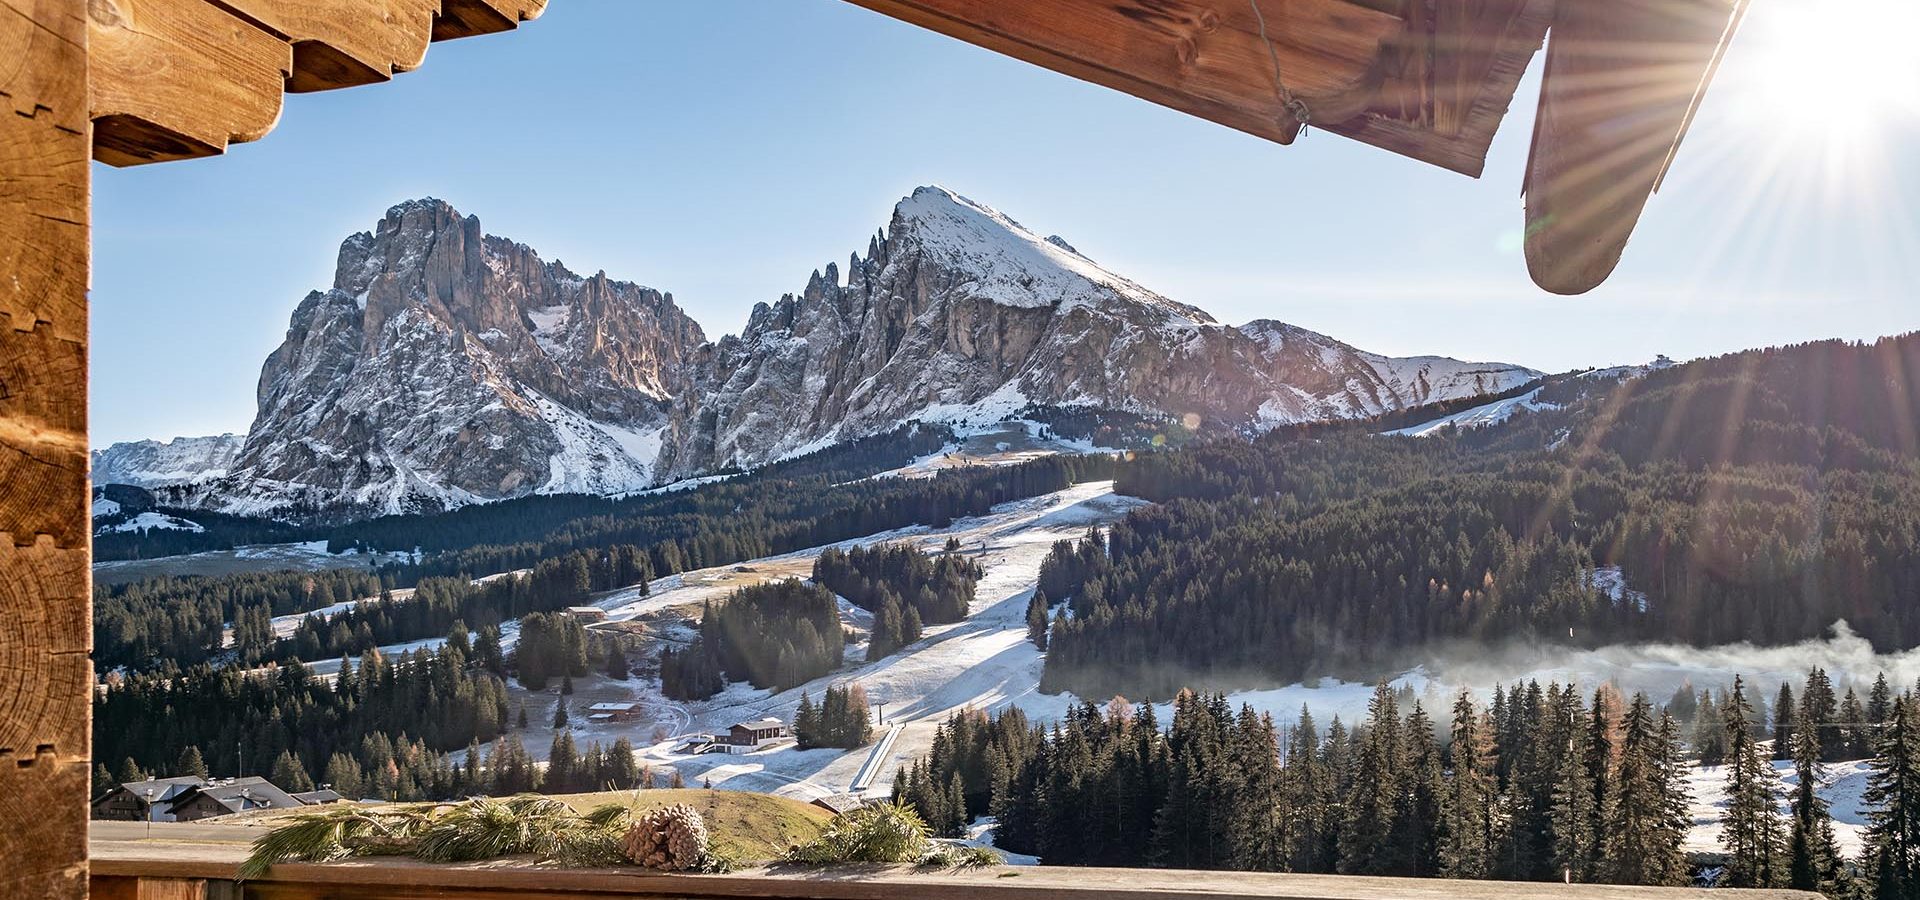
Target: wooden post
(45,675)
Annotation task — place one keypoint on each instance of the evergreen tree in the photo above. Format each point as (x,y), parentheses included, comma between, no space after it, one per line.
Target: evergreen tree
(1751,831)
(1374,796)
(1892,857)
(288,775)
(130,773)
(1414,845)
(1813,862)
(806,723)
(1783,713)
(1467,837)
(102,780)
(1576,848)
(1645,824)
(1818,707)
(560,714)
(1709,731)
(190,762)
(1037,619)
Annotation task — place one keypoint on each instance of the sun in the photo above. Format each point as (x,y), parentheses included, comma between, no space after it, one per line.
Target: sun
(1825,73)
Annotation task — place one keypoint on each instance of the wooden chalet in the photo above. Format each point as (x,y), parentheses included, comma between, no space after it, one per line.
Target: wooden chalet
(131,82)
(140,801)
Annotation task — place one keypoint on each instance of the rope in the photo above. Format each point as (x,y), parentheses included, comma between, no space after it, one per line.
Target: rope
(1294,105)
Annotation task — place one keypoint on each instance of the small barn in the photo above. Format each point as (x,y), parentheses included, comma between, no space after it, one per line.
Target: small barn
(586,615)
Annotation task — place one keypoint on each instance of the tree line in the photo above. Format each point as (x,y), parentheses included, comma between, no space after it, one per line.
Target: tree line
(842,719)
(776,635)
(904,588)
(1758,497)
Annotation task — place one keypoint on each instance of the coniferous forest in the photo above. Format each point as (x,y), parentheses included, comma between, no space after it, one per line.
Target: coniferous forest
(1759,497)
(1540,785)
(775,635)
(904,588)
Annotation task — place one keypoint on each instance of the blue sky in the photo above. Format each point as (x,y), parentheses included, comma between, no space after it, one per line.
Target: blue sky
(724,149)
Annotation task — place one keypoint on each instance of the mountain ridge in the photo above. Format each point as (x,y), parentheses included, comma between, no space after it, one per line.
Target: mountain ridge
(447,366)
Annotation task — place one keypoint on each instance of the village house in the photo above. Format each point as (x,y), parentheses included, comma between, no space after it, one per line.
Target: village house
(143,800)
(613,712)
(746,737)
(227,797)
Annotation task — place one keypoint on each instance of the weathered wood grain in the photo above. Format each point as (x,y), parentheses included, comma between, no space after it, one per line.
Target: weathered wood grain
(176,79)
(467,18)
(45,701)
(1456,130)
(402,879)
(1619,81)
(1203,57)
(344,43)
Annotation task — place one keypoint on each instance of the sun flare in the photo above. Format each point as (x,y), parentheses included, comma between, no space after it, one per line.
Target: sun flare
(1826,72)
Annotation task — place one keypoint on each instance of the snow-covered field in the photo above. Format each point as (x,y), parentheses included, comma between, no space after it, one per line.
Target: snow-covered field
(1842,784)
(1490,414)
(308,555)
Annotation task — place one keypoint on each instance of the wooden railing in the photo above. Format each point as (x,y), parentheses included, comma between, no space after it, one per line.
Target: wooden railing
(128,871)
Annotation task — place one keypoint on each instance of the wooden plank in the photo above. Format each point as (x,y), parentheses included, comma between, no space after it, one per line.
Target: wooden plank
(1457,137)
(1203,57)
(176,79)
(343,43)
(467,18)
(127,888)
(391,878)
(45,676)
(1620,79)
(43,184)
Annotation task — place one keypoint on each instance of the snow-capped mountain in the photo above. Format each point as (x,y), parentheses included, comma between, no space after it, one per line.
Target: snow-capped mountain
(959,314)
(152,464)
(447,367)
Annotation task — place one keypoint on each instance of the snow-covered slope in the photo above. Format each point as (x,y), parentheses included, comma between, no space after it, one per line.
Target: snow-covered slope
(446,367)
(152,464)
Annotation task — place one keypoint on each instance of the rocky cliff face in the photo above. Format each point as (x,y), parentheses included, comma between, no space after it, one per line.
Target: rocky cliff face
(446,367)
(959,314)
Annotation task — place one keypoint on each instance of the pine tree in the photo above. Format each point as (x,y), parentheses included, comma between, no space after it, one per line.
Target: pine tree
(102,780)
(1644,824)
(1813,862)
(1306,790)
(1892,857)
(1709,731)
(1575,842)
(1818,706)
(566,686)
(1879,705)
(190,762)
(1037,619)
(1414,846)
(1376,788)
(806,723)
(288,775)
(130,772)
(1467,837)
(1783,713)
(560,714)
(1751,831)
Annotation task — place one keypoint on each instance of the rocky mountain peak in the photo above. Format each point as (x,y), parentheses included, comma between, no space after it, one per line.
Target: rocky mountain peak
(447,366)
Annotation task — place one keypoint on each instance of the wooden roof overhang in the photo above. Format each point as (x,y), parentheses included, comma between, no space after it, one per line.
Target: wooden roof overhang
(1427,79)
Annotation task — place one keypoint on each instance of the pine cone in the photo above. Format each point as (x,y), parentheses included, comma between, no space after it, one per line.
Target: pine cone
(671,838)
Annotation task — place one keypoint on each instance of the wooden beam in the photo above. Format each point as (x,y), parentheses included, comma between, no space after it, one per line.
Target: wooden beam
(179,79)
(467,18)
(1203,57)
(1447,113)
(344,43)
(1620,80)
(176,79)
(45,676)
